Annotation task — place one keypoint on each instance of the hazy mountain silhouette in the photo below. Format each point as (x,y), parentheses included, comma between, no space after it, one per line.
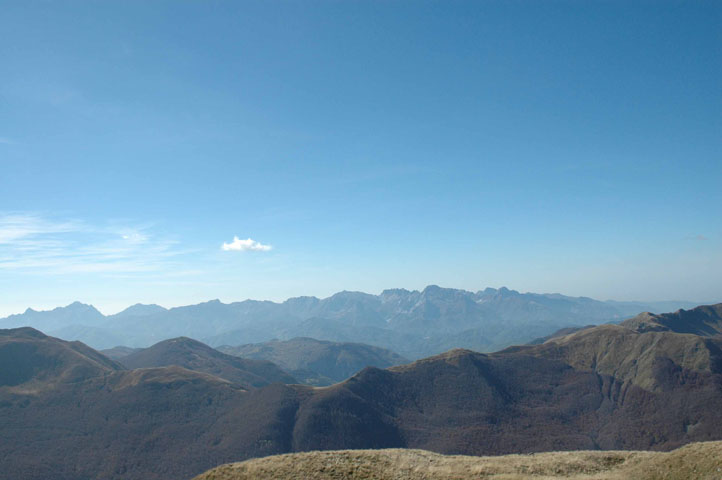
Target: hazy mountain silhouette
(116,353)
(139,310)
(318,362)
(413,323)
(74,314)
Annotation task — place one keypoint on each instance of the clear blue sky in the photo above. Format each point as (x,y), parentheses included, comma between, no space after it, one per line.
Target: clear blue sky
(569,147)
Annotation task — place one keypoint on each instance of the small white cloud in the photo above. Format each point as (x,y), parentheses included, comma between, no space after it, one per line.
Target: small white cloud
(134,237)
(247,245)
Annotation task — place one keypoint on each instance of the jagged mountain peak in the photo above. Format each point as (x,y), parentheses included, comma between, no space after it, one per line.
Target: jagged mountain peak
(79,307)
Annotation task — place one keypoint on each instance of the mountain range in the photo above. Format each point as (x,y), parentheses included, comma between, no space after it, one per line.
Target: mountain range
(70,413)
(414,324)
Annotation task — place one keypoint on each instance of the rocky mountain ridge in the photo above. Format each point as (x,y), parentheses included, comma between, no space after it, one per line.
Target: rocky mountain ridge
(414,324)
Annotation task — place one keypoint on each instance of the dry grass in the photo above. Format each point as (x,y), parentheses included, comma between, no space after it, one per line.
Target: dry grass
(701,461)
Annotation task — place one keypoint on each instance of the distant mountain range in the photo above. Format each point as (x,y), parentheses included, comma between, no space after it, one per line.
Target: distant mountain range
(69,413)
(412,323)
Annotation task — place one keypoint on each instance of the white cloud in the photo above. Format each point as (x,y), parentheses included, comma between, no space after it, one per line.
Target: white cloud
(134,237)
(247,245)
(17,227)
(33,243)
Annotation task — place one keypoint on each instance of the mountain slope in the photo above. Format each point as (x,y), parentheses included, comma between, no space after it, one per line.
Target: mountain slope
(580,391)
(68,413)
(700,461)
(465,402)
(196,356)
(317,362)
(151,424)
(631,356)
(705,320)
(603,387)
(32,361)
(634,350)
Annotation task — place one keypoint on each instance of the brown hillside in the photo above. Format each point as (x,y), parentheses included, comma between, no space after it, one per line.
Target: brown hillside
(32,361)
(318,362)
(150,424)
(604,388)
(704,320)
(630,356)
(196,356)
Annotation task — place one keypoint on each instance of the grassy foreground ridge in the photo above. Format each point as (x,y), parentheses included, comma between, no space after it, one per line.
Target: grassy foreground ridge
(702,461)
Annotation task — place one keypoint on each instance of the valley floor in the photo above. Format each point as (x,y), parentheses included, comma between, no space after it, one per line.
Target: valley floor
(701,461)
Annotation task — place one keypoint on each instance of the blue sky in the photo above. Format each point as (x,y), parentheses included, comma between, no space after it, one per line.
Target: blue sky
(553,146)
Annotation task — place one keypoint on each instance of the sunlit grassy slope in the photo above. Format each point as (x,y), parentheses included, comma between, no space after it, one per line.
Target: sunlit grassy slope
(694,461)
